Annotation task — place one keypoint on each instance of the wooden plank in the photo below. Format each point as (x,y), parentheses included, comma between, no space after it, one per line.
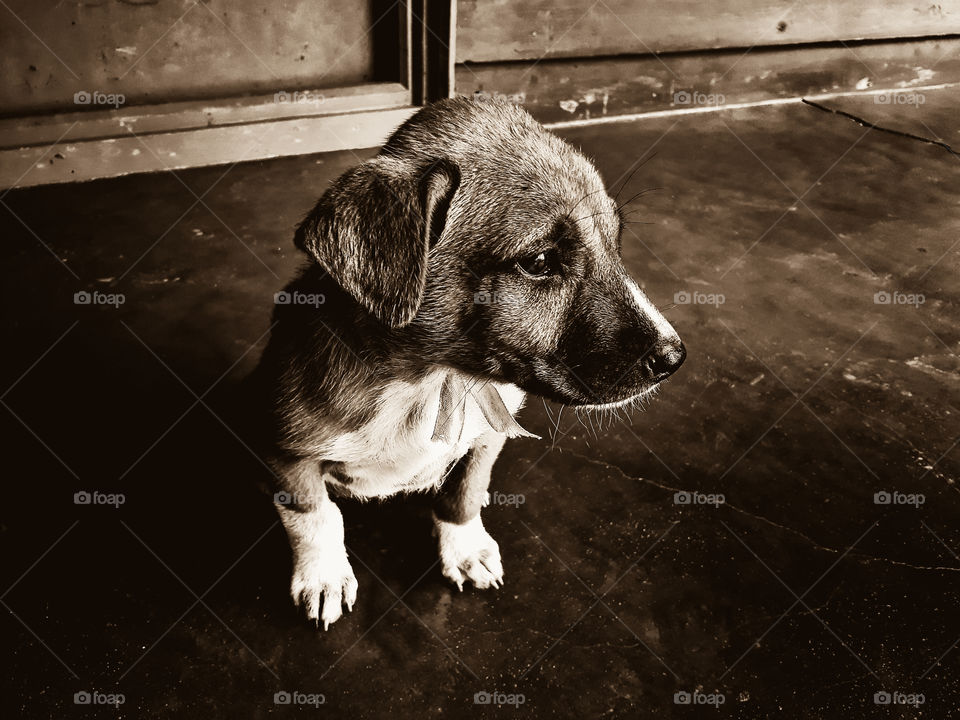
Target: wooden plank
(452,54)
(520,30)
(561,90)
(145,119)
(86,160)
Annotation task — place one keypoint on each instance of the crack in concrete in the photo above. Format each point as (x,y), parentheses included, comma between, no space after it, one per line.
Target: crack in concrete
(862,558)
(873,126)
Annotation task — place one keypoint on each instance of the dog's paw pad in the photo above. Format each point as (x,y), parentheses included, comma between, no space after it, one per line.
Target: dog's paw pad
(322,591)
(467,552)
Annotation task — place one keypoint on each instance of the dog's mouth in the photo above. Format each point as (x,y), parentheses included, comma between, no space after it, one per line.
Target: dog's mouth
(626,402)
(567,389)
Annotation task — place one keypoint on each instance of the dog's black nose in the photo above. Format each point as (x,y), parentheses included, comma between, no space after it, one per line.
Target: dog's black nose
(665,359)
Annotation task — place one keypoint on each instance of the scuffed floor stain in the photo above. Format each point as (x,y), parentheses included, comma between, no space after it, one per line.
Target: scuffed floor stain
(942,367)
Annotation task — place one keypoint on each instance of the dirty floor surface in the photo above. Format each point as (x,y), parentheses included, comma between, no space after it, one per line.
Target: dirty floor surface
(810,265)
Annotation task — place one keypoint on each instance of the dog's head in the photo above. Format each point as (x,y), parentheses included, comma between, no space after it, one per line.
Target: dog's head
(480,240)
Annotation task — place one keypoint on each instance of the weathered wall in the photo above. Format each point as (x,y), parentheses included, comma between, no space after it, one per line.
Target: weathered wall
(508,30)
(164,50)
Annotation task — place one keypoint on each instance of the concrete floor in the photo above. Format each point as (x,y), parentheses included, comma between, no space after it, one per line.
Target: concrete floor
(800,399)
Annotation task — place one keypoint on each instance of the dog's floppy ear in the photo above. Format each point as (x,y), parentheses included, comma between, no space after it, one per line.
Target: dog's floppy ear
(372,231)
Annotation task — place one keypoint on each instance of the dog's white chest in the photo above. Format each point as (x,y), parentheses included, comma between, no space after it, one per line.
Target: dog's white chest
(399,450)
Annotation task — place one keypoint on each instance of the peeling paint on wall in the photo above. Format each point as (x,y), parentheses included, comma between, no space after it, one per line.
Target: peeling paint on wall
(924,75)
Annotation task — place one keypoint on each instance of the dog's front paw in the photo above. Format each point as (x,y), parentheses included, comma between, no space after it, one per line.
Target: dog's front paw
(467,552)
(322,584)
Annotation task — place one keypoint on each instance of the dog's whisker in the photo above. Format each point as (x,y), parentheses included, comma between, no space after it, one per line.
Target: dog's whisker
(634,172)
(587,217)
(554,428)
(556,432)
(570,211)
(645,191)
(579,414)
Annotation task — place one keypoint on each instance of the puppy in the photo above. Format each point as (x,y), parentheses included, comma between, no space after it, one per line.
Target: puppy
(476,258)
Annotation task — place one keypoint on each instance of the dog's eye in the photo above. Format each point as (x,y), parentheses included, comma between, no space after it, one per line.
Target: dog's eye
(539,265)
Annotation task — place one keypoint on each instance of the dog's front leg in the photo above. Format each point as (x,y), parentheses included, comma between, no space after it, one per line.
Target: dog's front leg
(314,525)
(467,552)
